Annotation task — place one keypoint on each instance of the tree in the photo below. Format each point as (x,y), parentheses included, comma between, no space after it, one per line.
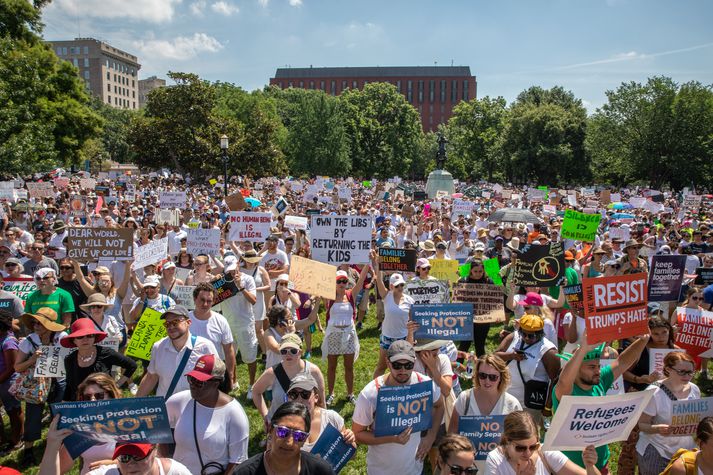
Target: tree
(114,135)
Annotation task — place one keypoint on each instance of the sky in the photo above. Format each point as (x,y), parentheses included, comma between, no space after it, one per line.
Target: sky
(585,46)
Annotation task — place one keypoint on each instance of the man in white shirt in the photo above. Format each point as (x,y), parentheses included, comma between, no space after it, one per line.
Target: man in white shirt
(274,260)
(168,354)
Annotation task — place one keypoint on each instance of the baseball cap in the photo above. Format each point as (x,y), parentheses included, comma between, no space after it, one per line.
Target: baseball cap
(136,450)
(303,381)
(152,281)
(291,340)
(479,247)
(531,298)
(208,367)
(423,262)
(179,310)
(532,323)
(396,279)
(401,350)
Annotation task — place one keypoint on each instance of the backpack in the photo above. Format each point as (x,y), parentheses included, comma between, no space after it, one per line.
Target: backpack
(689,461)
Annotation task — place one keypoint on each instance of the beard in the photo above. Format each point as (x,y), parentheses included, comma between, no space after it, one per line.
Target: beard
(593,381)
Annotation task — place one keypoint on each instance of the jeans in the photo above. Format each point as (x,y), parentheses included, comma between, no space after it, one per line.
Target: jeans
(33,412)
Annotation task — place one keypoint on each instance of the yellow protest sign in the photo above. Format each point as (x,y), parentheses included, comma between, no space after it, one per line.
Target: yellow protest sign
(212,181)
(313,277)
(148,331)
(445,269)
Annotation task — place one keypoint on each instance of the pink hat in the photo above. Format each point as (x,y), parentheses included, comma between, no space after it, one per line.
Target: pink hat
(531,298)
(82,327)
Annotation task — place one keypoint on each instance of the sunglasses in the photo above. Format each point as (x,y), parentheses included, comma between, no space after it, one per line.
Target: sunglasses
(10,264)
(196,383)
(531,336)
(297,435)
(124,458)
(39,279)
(295,393)
(684,372)
(173,323)
(282,284)
(342,281)
(94,396)
(491,377)
(615,266)
(397,365)
(695,298)
(458,470)
(65,267)
(425,268)
(525,448)
(292,351)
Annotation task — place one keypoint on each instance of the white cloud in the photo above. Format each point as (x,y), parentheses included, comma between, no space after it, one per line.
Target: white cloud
(153,11)
(198,7)
(263,3)
(295,3)
(180,48)
(634,55)
(224,8)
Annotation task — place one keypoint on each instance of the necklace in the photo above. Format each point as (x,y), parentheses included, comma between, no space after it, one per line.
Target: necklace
(87,359)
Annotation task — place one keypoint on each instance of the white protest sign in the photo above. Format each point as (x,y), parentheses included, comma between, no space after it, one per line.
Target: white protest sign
(170,217)
(296,222)
(618,386)
(87,183)
(246,226)
(51,361)
(203,241)
(172,199)
(656,356)
(615,197)
(619,233)
(345,193)
(594,420)
(341,239)
(151,253)
(572,200)
(183,295)
(462,207)
(40,189)
(637,201)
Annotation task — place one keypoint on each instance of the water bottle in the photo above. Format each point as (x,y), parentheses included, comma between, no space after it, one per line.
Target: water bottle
(469,366)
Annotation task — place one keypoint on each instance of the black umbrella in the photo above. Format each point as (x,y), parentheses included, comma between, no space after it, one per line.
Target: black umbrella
(513,215)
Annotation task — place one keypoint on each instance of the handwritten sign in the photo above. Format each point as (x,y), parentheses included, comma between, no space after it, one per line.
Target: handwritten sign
(445,269)
(92,244)
(694,330)
(247,226)
(224,289)
(401,407)
(656,357)
(296,222)
(183,295)
(580,226)
(312,277)
(448,321)
(151,253)
(484,433)
(203,241)
(397,260)
(486,300)
(172,199)
(341,239)
(51,361)
(686,414)
(427,291)
(540,266)
(236,202)
(40,189)
(332,447)
(492,269)
(148,331)
(87,183)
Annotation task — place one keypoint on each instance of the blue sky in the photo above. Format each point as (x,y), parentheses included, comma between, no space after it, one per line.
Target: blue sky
(586,46)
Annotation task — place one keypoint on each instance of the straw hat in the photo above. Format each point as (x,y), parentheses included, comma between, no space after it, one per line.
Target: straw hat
(514,244)
(427,245)
(46,316)
(251,256)
(94,300)
(631,243)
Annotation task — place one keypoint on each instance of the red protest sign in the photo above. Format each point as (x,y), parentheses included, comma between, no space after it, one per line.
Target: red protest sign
(615,307)
(694,330)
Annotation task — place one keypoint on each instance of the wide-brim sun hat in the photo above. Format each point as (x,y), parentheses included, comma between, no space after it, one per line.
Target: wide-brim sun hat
(82,327)
(46,316)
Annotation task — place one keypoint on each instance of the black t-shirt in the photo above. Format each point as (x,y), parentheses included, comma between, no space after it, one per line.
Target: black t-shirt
(78,296)
(309,465)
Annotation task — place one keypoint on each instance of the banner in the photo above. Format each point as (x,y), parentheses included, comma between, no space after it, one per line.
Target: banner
(580,226)
(149,329)
(333,449)
(151,253)
(445,269)
(443,321)
(203,241)
(687,413)
(704,276)
(92,244)
(19,286)
(615,307)
(224,289)
(397,260)
(666,277)
(486,299)
(341,239)
(172,199)
(296,222)
(313,277)
(51,361)
(656,357)
(401,407)
(540,266)
(427,291)
(183,295)
(246,226)
(594,420)
(575,298)
(617,386)
(484,432)
(694,330)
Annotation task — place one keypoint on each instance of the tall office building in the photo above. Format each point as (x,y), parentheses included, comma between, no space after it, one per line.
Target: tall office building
(432,90)
(147,85)
(109,73)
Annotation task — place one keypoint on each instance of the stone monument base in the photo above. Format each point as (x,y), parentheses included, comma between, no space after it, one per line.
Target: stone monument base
(439,180)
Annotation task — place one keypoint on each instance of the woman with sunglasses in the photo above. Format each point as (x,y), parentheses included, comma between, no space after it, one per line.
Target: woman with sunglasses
(288,431)
(476,275)
(694,301)
(104,285)
(281,323)
(284,296)
(456,456)
(656,443)
(519,452)
(250,265)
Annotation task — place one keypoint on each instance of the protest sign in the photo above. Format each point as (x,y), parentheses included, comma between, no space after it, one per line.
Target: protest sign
(236,202)
(172,199)
(692,202)
(486,299)
(535,194)
(20,286)
(484,432)
(344,193)
(341,239)
(620,233)
(492,269)
(540,266)
(617,386)
(61,182)
(149,329)
(40,189)
(280,206)
(50,363)
(183,295)
(296,222)
(397,260)
(401,407)
(427,291)
(656,357)
(445,269)
(687,413)
(313,277)
(136,419)
(91,244)
(443,321)
(704,276)
(594,420)
(247,226)
(170,217)
(151,253)
(224,289)
(333,449)
(575,299)
(203,241)
(694,330)
(580,226)
(637,201)
(666,277)
(78,206)
(615,307)
(462,208)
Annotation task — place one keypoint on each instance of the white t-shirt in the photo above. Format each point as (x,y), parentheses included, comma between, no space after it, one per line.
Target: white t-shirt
(396,316)
(274,261)
(506,404)
(496,464)
(165,360)
(237,310)
(444,366)
(177,468)
(387,459)
(26,347)
(223,432)
(328,416)
(215,329)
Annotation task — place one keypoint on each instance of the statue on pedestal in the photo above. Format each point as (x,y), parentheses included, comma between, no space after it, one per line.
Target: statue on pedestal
(441,154)
(439,179)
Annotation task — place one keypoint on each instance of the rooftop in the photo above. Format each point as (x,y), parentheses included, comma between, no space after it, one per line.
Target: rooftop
(376,71)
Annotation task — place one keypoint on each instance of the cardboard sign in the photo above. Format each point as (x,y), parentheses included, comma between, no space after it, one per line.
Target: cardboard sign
(397,260)
(314,278)
(92,244)
(151,253)
(333,449)
(183,295)
(246,226)
(224,289)
(203,241)
(445,269)
(446,321)
(656,357)
(401,407)
(666,277)
(694,330)
(149,329)
(51,361)
(20,286)
(484,433)
(687,413)
(40,189)
(427,291)
(61,182)
(615,307)
(296,222)
(540,266)
(575,298)
(341,239)
(486,299)
(580,226)
(704,276)
(236,202)
(594,420)
(172,199)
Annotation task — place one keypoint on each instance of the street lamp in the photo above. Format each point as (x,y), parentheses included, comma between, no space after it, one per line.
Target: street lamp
(224,148)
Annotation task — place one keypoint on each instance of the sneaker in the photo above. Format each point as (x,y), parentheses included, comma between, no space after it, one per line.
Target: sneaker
(308,355)
(250,393)
(330,400)
(236,386)
(133,389)
(351,399)
(358,326)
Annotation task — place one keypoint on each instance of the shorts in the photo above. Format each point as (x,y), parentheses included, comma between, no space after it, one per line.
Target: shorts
(385,341)
(8,400)
(246,343)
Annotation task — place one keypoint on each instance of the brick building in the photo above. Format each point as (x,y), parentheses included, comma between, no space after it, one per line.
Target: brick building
(147,85)
(432,90)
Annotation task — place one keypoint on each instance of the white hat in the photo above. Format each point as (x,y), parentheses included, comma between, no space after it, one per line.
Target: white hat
(396,279)
(152,281)
(479,246)
(169,265)
(284,277)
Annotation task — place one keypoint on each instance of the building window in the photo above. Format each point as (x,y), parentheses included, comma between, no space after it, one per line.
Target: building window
(114,88)
(443,91)
(443,109)
(431,90)
(134,105)
(409,93)
(333,88)
(302,84)
(75,61)
(86,74)
(108,76)
(454,91)
(354,85)
(59,51)
(321,85)
(420,91)
(108,88)
(86,50)
(311,84)
(344,85)
(398,86)
(86,62)
(465,90)
(108,99)
(64,51)
(133,94)
(430,108)
(133,83)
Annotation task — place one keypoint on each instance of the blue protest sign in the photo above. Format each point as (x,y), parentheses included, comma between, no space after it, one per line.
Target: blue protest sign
(401,407)
(483,431)
(333,449)
(141,419)
(447,321)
